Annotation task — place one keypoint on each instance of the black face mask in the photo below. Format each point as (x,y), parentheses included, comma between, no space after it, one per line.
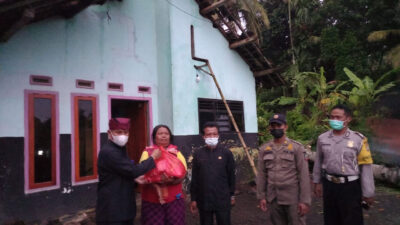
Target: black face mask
(277,133)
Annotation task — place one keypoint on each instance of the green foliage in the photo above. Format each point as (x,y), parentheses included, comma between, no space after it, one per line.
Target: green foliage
(255,15)
(382,35)
(256,12)
(357,34)
(393,56)
(351,54)
(365,91)
(312,98)
(329,41)
(309,105)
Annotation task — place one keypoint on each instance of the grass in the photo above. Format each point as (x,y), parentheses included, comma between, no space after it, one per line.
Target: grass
(385,188)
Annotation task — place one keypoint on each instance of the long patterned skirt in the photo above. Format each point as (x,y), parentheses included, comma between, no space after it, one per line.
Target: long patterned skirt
(172,213)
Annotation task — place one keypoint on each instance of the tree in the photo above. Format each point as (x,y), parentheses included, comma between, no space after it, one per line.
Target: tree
(365,92)
(312,22)
(387,37)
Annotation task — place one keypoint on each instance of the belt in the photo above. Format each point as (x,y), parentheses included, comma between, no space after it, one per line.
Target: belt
(341,179)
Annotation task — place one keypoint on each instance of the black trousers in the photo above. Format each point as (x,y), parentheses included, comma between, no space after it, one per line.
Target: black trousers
(342,203)
(223,217)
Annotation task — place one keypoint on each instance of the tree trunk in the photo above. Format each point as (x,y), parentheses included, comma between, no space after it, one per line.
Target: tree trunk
(290,32)
(386,174)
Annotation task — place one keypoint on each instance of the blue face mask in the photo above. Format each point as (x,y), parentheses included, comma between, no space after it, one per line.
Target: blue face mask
(336,124)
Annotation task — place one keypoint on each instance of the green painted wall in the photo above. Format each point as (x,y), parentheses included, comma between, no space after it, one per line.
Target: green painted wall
(163,42)
(134,42)
(233,74)
(130,46)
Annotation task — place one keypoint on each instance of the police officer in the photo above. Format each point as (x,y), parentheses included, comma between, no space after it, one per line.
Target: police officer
(283,181)
(343,165)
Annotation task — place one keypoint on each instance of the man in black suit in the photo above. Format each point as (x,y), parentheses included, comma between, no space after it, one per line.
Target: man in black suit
(213,179)
(116,202)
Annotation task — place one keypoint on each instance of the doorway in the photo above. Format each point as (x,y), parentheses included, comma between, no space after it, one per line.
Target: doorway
(138,112)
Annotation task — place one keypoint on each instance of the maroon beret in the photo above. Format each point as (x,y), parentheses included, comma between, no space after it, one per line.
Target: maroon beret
(119,124)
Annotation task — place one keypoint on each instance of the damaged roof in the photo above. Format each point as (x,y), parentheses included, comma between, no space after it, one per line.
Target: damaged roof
(231,22)
(224,15)
(14,14)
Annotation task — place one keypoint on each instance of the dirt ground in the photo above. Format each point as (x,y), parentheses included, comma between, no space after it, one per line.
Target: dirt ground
(385,211)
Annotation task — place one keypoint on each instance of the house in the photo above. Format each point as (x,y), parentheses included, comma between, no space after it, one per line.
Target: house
(68,66)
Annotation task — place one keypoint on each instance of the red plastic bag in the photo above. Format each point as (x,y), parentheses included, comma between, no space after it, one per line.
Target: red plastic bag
(168,165)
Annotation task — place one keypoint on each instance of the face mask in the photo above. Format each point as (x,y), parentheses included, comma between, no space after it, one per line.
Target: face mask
(212,142)
(336,124)
(120,140)
(277,133)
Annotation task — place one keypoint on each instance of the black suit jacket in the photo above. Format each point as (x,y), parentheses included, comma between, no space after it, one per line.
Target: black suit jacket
(115,190)
(213,178)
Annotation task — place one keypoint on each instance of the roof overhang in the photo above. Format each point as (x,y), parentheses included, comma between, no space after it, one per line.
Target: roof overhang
(230,21)
(15,14)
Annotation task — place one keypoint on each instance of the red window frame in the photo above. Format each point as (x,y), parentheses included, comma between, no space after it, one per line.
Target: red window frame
(78,178)
(31,98)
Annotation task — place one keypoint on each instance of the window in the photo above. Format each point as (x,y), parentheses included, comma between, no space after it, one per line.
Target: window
(144,89)
(89,84)
(42,140)
(115,87)
(85,137)
(214,110)
(40,80)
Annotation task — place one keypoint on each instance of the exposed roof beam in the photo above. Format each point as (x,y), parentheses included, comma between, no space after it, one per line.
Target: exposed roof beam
(242,42)
(212,7)
(245,33)
(27,16)
(18,5)
(265,72)
(226,19)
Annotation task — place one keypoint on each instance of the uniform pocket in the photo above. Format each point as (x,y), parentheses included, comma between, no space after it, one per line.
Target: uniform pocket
(349,161)
(287,160)
(269,160)
(326,148)
(349,155)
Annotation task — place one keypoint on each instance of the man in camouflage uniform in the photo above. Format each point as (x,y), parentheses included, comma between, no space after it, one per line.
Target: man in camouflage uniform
(343,165)
(283,181)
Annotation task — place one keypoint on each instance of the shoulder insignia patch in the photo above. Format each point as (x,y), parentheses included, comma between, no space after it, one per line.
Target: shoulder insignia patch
(296,142)
(290,147)
(364,156)
(268,148)
(359,134)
